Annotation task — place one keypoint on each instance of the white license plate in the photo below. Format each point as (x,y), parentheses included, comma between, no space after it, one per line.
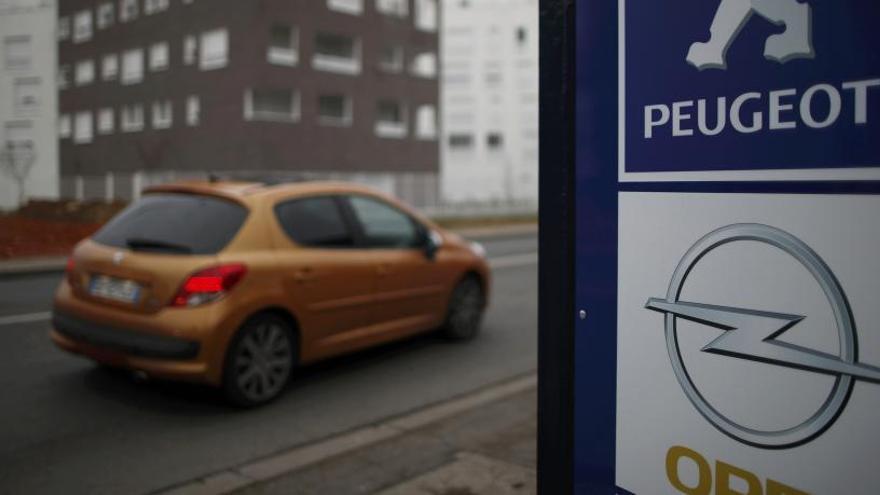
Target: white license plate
(116,289)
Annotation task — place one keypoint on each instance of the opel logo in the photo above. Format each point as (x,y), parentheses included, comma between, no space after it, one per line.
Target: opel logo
(751,334)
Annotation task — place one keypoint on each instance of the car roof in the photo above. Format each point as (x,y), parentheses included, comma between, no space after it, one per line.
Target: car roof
(242,190)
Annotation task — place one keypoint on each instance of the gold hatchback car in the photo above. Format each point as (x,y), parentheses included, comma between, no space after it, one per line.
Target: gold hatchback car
(236,283)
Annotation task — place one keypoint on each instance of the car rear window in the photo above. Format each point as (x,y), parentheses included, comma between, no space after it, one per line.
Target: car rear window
(175,224)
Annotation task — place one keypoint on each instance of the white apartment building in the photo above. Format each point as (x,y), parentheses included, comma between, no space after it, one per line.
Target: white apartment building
(489,95)
(28,101)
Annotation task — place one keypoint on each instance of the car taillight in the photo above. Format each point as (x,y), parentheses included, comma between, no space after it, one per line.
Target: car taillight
(208,285)
(70,271)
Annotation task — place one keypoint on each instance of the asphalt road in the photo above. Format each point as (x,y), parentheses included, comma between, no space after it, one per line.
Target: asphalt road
(67,426)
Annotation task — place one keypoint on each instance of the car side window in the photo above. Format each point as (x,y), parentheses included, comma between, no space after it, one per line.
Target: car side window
(384,225)
(315,222)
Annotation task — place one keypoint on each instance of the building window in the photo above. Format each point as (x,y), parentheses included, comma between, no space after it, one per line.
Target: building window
(82,26)
(494,140)
(159,56)
(273,105)
(105,15)
(334,110)
(391,58)
(461,141)
(132,118)
(64,126)
(26,91)
(82,128)
(190,49)
(106,125)
(63,28)
(85,72)
(399,8)
(154,6)
(355,7)
(193,110)
(424,65)
(426,122)
(426,15)
(18,52)
(128,10)
(63,76)
(133,66)
(109,67)
(163,114)
(283,45)
(337,53)
(390,119)
(214,49)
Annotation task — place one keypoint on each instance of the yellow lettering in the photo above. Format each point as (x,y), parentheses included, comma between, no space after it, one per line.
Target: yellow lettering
(777,488)
(723,474)
(704,484)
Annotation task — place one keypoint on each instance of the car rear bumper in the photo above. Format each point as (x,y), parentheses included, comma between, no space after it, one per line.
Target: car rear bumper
(128,341)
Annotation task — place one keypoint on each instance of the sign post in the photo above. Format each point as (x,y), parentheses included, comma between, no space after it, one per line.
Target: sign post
(726,222)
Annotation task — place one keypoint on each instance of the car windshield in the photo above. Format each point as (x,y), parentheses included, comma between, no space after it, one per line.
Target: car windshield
(174,224)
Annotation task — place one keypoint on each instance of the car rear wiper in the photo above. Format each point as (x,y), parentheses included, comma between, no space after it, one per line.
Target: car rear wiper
(139,244)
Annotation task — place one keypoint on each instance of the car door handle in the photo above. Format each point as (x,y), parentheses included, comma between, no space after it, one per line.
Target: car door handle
(303,275)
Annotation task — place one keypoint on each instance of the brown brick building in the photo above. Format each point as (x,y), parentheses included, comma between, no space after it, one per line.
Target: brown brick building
(179,87)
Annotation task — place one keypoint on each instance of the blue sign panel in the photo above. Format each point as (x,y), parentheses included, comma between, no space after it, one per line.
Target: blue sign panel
(750,84)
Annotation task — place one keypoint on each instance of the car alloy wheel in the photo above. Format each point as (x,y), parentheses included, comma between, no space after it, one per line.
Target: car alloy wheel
(465,310)
(260,361)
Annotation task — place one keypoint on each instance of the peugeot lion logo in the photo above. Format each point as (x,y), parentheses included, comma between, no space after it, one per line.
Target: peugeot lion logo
(118,256)
(752,334)
(732,16)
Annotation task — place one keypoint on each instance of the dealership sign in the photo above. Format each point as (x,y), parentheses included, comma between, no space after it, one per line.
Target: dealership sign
(744,203)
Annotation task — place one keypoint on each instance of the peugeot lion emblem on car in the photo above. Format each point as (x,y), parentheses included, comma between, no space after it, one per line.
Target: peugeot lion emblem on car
(118,256)
(732,16)
(752,334)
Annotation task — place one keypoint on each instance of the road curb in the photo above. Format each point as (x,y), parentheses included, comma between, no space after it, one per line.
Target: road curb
(30,266)
(296,458)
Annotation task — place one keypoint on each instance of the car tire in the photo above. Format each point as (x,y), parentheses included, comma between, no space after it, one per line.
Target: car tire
(259,361)
(465,312)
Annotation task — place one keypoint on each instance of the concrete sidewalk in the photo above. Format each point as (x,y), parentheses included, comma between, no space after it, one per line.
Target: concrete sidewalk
(483,443)
(25,266)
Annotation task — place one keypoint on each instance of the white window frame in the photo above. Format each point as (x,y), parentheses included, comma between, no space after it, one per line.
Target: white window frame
(288,56)
(190,49)
(394,8)
(105,15)
(426,122)
(63,28)
(426,15)
(252,115)
(392,129)
(132,66)
(340,65)
(209,60)
(109,67)
(82,26)
(131,118)
(84,73)
(399,63)
(346,121)
(83,128)
(159,56)
(162,114)
(424,65)
(353,7)
(65,128)
(128,10)
(106,123)
(193,110)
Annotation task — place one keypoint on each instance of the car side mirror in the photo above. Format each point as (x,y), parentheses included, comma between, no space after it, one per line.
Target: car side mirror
(432,243)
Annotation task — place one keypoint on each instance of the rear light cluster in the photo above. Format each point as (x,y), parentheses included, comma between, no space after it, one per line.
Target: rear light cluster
(208,285)
(70,271)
